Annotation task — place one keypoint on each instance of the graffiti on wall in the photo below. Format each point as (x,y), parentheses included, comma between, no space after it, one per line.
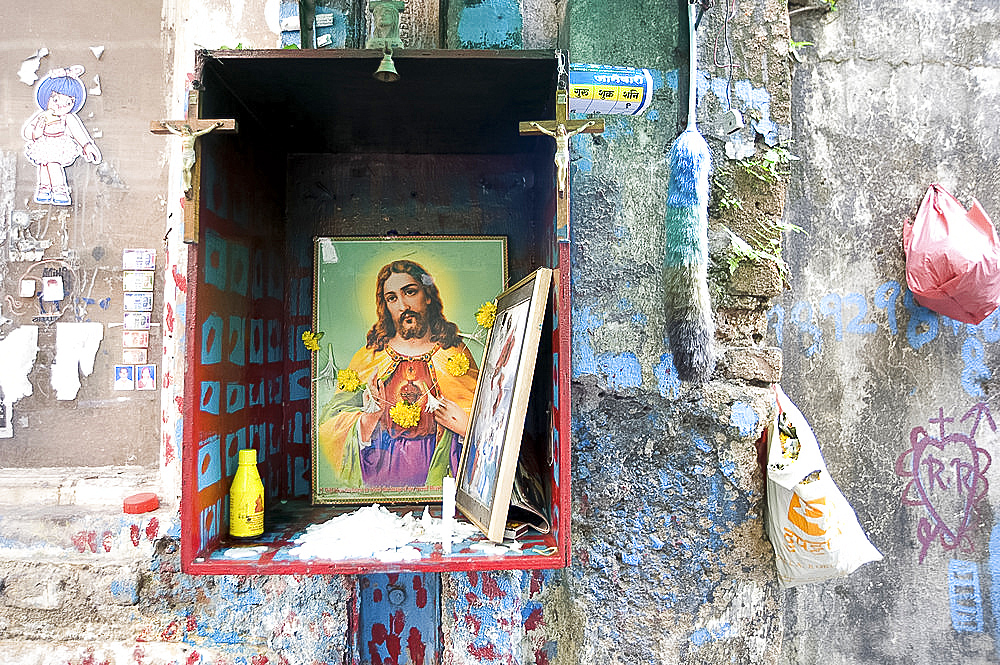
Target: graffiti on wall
(946,473)
(856,314)
(964,596)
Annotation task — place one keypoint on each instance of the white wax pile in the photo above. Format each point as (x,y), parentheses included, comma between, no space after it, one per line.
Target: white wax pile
(373,532)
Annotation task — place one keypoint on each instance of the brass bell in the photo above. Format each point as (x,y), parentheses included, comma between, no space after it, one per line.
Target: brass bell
(386,71)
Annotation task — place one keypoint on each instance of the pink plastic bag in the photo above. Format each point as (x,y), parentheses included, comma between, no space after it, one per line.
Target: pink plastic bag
(952,258)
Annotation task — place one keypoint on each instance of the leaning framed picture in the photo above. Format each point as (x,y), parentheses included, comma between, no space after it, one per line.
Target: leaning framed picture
(395,361)
(489,459)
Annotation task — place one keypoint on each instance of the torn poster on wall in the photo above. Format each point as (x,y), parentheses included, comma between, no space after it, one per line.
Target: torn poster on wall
(17,356)
(55,136)
(76,349)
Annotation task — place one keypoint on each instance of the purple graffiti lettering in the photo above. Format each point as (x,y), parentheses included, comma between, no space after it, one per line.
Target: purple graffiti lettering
(947,477)
(934,469)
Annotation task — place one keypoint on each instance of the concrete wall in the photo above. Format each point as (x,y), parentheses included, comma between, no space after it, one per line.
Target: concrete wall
(890,99)
(670,561)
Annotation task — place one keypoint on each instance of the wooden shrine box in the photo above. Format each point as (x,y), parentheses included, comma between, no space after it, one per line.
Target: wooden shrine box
(324,149)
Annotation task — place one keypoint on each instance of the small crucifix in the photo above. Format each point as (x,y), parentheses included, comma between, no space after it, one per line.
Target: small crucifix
(189,130)
(561,129)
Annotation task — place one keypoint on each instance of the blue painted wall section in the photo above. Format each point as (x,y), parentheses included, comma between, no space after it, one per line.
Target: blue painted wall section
(659,505)
(487,614)
(480,24)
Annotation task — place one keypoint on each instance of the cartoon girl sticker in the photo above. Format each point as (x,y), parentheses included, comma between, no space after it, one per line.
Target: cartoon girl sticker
(55,135)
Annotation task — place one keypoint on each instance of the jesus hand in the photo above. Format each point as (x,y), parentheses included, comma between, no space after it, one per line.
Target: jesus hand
(451,416)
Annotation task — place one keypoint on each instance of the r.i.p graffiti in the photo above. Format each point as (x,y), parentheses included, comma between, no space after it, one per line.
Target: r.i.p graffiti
(947,476)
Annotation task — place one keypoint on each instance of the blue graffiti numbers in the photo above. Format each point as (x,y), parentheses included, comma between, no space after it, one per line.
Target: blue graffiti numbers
(965,596)
(802,317)
(923,324)
(885,298)
(854,315)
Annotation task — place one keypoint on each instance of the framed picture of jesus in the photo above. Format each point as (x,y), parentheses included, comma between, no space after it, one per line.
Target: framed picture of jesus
(396,351)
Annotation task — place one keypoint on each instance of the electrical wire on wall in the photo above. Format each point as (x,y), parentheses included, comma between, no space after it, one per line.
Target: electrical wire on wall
(732,120)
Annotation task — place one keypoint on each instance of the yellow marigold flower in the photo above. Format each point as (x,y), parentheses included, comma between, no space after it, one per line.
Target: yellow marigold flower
(311,340)
(405,415)
(348,379)
(486,315)
(457,364)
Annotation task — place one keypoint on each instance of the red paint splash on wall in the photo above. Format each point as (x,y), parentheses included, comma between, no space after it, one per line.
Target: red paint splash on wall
(168,318)
(380,636)
(89,659)
(474,622)
(534,620)
(179,279)
(134,533)
(107,541)
(473,578)
(195,657)
(485,652)
(153,528)
(192,625)
(491,589)
(415,646)
(85,540)
(418,586)
(397,623)
(535,586)
(259,659)
(170,632)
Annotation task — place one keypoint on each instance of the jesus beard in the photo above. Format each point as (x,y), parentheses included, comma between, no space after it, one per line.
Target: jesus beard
(412,325)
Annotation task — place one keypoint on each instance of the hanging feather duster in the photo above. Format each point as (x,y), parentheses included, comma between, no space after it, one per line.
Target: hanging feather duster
(685,265)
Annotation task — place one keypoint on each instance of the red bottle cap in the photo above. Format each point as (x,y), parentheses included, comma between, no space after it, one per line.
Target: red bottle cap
(141,503)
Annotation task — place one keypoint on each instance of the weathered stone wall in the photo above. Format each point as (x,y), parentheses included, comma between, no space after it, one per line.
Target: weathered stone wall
(890,98)
(670,562)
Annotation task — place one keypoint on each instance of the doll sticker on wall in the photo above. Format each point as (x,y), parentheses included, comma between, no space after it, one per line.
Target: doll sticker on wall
(55,134)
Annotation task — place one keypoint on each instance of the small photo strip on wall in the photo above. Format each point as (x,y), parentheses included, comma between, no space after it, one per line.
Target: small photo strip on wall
(145,377)
(135,339)
(137,320)
(139,259)
(124,377)
(135,356)
(137,280)
(139,376)
(138,301)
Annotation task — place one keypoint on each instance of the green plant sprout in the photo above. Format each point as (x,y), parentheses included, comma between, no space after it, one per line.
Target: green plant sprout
(724,197)
(794,46)
(770,167)
(766,246)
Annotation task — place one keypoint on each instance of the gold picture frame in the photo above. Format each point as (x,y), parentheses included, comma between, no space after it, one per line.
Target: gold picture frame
(378,434)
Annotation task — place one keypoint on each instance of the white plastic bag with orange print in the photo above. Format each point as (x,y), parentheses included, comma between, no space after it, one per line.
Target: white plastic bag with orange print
(814,531)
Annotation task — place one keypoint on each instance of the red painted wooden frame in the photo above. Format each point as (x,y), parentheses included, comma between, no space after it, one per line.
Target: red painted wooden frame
(204,524)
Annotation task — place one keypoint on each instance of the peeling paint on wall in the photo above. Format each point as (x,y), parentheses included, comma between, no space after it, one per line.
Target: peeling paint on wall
(490,24)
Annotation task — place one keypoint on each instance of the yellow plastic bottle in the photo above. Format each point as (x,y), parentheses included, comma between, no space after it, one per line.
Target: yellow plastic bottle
(246,498)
